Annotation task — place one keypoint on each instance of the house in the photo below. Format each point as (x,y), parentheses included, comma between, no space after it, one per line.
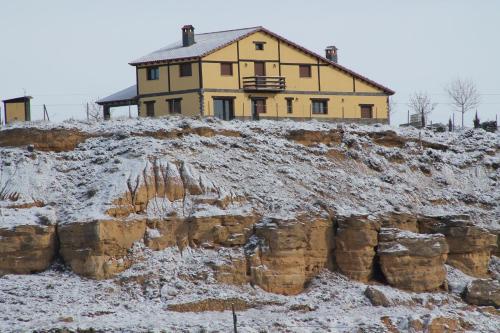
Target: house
(250,73)
(17,109)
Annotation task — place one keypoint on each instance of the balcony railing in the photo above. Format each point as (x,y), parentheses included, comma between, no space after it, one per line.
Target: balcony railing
(264,83)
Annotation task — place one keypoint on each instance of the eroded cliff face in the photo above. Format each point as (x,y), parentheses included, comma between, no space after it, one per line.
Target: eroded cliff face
(279,207)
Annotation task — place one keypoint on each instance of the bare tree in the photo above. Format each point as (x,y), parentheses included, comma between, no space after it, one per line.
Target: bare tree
(94,111)
(463,95)
(421,103)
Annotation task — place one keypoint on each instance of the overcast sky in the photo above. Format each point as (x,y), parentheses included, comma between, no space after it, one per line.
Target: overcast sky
(65,53)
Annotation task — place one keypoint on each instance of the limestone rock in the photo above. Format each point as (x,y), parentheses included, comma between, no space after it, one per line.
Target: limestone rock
(309,137)
(470,246)
(170,231)
(98,249)
(191,179)
(402,221)
(280,265)
(27,240)
(290,252)
(233,272)
(483,292)
(412,261)
(223,230)
(357,237)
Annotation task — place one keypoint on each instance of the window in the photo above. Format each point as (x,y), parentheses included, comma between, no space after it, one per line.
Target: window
(320,106)
(174,106)
(289,105)
(366,110)
(185,70)
(150,108)
(226,69)
(305,70)
(259,46)
(153,73)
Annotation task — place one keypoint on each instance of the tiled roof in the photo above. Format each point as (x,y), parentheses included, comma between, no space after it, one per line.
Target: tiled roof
(204,43)
(127,94)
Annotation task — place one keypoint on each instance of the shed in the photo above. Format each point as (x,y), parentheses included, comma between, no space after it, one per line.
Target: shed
(125,97)
(17,109)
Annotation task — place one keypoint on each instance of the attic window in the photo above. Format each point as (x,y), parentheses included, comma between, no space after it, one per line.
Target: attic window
(153,73)
(259,46)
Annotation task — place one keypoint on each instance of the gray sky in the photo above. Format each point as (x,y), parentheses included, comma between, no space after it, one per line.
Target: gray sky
(65,53)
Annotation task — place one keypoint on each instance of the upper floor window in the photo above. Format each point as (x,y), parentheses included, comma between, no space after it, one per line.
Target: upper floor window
(366,110)
(259,46)
(174,105)
(185,70)
(320,106)
(153,73)
(305,70)
(226,69)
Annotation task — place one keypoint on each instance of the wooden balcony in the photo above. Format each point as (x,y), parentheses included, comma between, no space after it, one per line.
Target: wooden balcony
(264,83)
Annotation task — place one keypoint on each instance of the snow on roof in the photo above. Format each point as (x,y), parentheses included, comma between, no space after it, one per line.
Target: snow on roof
(204,43)
(122,95)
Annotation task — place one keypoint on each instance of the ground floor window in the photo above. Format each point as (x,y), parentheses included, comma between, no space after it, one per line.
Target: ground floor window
(319,106)
(289,105)
(174,105)
(150,108)
(366,110)
(224,108)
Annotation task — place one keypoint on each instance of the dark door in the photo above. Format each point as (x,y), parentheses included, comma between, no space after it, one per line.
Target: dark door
(260,68)
(150,109)
(224,108)
(258,107)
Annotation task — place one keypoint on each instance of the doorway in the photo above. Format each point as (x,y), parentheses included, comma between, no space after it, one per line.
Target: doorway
(260,68)
(258,107)
(224,108)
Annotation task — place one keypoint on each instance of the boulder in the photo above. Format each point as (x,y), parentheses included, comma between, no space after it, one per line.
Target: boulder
(99,249)
(28,240)
(470,246)
(377,297)
(412,261)
(483,292)
(355,242)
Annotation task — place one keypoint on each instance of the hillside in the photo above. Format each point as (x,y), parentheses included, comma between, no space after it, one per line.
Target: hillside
(162,224)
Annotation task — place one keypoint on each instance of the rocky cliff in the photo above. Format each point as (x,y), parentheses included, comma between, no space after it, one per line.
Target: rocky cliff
(294,217)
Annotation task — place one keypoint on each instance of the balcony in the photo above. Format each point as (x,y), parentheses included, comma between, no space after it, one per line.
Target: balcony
(264,83)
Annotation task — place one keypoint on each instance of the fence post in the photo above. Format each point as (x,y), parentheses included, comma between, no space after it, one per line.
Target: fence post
(88,116)
(235,319)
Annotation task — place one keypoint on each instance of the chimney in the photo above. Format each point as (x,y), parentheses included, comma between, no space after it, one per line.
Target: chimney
(331,54)
(187,35)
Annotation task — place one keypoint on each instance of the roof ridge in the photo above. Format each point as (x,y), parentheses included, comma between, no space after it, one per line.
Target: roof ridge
(230,30)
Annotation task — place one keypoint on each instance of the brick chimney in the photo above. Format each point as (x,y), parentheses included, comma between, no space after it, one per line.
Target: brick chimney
(331,54)
(187,35)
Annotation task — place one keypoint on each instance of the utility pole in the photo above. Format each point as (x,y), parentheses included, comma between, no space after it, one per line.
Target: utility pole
(88,116)
(45,113)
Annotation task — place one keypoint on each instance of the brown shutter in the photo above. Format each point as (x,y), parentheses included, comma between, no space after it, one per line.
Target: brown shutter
(226,68)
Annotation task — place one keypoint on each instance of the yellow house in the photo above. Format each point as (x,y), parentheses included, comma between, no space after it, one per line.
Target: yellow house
(17,109)
(249,73)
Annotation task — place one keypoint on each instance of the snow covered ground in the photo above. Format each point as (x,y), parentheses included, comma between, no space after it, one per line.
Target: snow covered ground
(278,177)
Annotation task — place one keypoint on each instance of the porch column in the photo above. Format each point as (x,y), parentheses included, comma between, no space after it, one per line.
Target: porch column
(106,112)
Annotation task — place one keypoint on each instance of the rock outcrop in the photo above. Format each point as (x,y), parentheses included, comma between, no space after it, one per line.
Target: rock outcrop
(57,140)
(402,221)
(28,240)
(99,249)
(355,242)
(483,292)
(470,246)
(412,261)
(287,253)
